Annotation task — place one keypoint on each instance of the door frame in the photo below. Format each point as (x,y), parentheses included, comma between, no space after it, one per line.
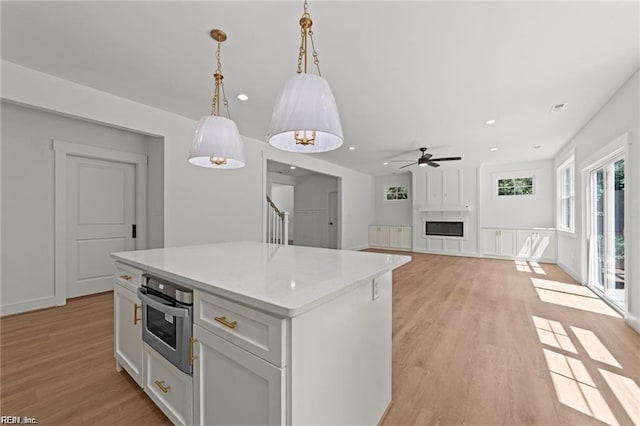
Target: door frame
(62,150)
(619,147)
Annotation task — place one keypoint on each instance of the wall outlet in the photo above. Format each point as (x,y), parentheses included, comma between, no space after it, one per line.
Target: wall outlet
(374,290)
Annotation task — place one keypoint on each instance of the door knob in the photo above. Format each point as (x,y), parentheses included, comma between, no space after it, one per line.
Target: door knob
(330,223)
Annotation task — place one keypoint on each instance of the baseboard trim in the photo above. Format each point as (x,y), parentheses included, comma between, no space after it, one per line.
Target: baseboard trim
(446,253)
(569,270)
(358,248)
(633,322)
(27,305)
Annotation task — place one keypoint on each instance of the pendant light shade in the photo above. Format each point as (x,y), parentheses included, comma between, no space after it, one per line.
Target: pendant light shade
(305,116)
(217,144)
(305,109)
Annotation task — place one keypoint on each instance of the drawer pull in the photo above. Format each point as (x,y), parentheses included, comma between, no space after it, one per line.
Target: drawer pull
(192,357)
(160,384)
(126,277)
(136,318)
(223,321)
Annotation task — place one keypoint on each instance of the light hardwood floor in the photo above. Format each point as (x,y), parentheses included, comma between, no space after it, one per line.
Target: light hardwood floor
(475,341)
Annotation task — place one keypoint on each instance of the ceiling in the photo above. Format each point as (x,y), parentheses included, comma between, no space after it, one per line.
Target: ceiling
(404,74)
(285,169)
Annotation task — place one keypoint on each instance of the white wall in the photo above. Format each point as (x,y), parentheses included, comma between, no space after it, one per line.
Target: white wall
(28,194)
(525,211)
(451,189)
(200,205)
(619,116)
(312,209)
(393,212)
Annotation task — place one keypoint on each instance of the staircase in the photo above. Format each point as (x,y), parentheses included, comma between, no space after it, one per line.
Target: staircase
(277,224)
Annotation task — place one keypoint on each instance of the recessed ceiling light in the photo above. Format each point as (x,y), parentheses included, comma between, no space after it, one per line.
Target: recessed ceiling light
(490,122)
(351,148)
(557,107)
(292,167)
(385,163)
(493,149)
(537,147)
(243,96)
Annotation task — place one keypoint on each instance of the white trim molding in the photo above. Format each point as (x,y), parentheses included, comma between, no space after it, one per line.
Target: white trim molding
(62,150)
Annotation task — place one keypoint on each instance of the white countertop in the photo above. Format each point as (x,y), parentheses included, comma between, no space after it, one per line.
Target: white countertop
(282,280)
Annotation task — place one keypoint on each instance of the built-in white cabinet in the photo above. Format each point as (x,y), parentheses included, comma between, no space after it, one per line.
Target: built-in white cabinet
(393,237)
(126,318)
(168,387)
(526,244)
(233,386)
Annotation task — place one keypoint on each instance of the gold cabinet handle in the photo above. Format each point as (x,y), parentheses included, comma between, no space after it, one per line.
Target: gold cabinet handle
(136,318)
(223,321)
(192,357)
(160,384)
(126,277)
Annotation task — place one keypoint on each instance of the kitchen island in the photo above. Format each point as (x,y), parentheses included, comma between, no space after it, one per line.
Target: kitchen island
(281,335)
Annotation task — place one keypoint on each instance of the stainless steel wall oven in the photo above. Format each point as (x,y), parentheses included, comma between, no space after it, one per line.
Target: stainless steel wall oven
(167,320)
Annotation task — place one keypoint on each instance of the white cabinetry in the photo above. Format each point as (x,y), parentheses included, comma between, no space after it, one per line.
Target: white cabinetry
(393,237)
(526,244)
(233,386)
(499,242)
(126,319)
(239,372)
(379,236)
(168,387)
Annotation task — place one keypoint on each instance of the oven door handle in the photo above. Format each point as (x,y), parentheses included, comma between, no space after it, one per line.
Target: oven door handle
(156,303)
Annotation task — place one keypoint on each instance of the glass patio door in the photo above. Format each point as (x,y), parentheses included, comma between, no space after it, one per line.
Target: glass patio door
(606,245)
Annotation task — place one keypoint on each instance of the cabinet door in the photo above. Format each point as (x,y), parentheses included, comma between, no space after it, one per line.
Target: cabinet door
(507,243)
(525,243)
(234,387)
(395,237)
(545,246)
(406,238)
(127,331)
(490,241)
(379,236)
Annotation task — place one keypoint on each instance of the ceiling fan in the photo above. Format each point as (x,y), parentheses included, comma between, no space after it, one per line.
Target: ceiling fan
(426,160)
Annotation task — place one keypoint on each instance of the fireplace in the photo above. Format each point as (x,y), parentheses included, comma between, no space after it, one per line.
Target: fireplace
(444,228)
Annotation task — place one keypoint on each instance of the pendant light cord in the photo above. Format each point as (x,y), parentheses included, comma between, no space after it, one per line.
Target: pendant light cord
(219,84)
(305,30)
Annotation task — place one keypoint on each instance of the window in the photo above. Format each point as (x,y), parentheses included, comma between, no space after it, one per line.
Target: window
(515,186)
(393,193)
(566,188)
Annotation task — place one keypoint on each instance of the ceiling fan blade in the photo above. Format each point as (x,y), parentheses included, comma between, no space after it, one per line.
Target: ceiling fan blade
(398,161)
(432,164)
(446,159)
(411,164)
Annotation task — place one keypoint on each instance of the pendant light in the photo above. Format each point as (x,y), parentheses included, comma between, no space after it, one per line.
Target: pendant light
(305,116)
(217,143)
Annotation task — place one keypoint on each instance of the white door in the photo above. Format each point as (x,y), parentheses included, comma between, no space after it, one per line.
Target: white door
(333,220)
(100,219)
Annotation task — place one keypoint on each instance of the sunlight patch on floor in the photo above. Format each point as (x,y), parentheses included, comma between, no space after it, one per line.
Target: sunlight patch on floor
(537,268)
(521,266)
(577,289)
(627,392)
(575,388)
(594,347)
(552,333)
(571,300)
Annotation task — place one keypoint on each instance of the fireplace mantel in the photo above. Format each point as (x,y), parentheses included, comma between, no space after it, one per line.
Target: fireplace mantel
(444,209)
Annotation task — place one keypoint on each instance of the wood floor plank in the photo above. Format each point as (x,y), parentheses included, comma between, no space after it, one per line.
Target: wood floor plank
(466,350)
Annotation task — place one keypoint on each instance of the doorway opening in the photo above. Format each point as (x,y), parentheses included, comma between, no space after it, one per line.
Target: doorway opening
(312,201)
(606,221)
